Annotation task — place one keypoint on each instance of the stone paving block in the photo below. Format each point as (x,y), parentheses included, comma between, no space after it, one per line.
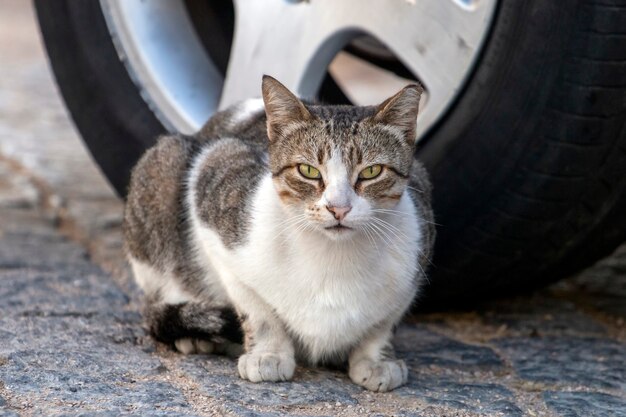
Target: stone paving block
(4,412)
(542,315)
(585,404)
(476,397)
(25,250)
(219,379)
(240,411)
(76,412)
(77,291)
(421,347)
(569,361)
(56,363)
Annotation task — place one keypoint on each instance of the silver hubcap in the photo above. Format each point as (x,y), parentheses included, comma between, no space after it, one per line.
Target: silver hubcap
(297,42)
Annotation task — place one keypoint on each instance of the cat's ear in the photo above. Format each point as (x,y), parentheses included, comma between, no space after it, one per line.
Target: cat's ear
(401,111)
(282,107)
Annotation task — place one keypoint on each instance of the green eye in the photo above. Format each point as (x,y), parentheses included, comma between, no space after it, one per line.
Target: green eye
(370,172)
(309,172)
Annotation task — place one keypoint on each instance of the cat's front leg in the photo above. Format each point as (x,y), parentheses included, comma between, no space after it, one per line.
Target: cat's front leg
(269,350)
(372,363)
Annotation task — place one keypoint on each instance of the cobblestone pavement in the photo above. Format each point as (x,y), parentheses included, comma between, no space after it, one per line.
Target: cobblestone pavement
(72,341)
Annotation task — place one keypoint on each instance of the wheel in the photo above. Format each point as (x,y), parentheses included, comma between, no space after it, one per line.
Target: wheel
(521,129)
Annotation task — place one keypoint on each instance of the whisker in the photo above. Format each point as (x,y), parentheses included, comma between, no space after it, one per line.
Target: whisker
(369,236)
(386,238)
(400,214)
(392,232)
(391,229)
(291,222)
(376,233)
(292,218)
(301,229)
(417,267)
(393,236)
(390,226)
(289,226)
(387,230)
(420,252)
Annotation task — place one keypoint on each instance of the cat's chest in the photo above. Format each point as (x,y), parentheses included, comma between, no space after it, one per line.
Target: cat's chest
(317,288)
(336,303)
(329,296)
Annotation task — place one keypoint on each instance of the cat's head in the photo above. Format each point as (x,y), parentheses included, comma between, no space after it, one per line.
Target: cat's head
(335,168)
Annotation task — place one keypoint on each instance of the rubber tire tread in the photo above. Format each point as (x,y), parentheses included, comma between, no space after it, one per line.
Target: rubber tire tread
(105,105)
(530,166)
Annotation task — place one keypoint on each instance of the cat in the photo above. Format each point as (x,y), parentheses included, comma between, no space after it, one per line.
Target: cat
(303,229)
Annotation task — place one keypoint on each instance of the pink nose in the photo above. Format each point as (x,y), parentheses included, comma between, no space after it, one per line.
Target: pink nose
(339,212)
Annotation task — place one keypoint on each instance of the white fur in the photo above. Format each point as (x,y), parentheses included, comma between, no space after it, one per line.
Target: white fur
(150,281)
(246,110)
(338,191)
(329,293)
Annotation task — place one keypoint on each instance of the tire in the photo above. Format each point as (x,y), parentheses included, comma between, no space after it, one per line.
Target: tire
(528,165)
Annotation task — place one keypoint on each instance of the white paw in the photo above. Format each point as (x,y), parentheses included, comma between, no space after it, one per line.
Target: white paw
(188,346)
(379,376)
(267,366)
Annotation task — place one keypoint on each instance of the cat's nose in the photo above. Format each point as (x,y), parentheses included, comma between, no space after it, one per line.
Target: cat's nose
(339,212)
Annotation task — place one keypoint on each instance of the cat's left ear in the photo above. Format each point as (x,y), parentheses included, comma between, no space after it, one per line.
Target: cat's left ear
(401,111)
(282,107)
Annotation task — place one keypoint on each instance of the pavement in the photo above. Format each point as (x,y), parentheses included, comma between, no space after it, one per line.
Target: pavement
(72,341)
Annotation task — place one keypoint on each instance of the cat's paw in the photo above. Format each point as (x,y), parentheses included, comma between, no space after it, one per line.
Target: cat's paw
(266,366)
(379,376)
(187,346)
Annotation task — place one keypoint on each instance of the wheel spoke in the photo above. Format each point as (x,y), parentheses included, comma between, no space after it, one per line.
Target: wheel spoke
(437,40)
(292,42)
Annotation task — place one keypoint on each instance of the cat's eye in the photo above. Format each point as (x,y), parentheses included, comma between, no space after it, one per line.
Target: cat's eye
(370,172)
(309,172)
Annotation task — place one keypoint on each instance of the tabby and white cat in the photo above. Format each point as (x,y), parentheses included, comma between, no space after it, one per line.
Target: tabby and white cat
(308,227)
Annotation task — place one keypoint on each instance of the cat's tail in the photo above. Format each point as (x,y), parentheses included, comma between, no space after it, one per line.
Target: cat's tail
(195,327)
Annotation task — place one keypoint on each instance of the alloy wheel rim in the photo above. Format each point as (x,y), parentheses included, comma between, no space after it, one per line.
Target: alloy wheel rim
(297,42)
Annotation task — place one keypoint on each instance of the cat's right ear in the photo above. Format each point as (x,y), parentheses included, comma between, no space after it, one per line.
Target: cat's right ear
(282,107)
